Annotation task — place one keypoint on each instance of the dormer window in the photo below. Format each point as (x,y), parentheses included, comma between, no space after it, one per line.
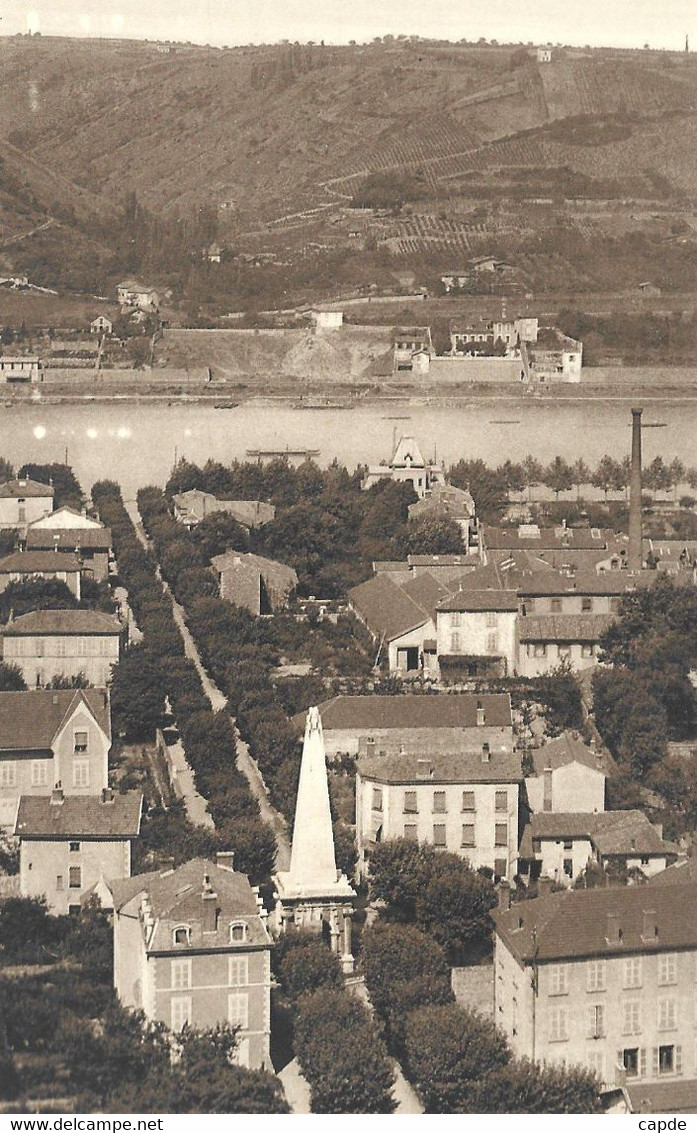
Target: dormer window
(182,934)
(80,742)
(238,932)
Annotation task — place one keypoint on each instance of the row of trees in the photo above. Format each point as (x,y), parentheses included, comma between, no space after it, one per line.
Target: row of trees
(157,669)
(456,1059)
(240,651)
(335,1039)
(491,486)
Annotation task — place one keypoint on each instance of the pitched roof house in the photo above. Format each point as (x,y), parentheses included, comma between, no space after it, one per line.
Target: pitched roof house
(561,845)
(50,737)
(23,501)
(70,845)
(24,565)
(191,946)
(51,643)
(260,585)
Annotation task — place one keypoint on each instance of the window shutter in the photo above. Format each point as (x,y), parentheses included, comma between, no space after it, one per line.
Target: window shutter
(654,1061)
(678,1060)
(591,1021)
(642,1062)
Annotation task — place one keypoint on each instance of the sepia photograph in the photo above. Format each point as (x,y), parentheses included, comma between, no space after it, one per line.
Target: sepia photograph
(348,561)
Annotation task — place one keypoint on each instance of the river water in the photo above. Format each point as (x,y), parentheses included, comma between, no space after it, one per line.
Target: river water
(135,443)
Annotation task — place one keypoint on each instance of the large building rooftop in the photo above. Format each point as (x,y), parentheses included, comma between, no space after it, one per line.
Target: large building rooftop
(593,923)
(411,710)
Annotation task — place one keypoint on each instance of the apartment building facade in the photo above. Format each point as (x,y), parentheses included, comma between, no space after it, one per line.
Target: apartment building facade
(191,946)
(603,979)
(464,802)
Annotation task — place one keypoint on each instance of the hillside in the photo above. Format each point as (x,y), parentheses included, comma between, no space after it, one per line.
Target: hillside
(275,142)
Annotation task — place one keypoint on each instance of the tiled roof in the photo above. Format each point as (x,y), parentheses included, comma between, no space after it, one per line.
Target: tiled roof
(29,720)
(64,623)
(176,898)
(579,922)
(481,600)
(391,565)
(386,608)
(455,502)
(681,873)
(564,627)
(532,537)
(41,538)
(410,710)
(84,816)
(426,591)
(24,489)
(620,833)
(550,582)
(662,1097)
(568,748)
(442,560)
(236,560)
(38,562)
(441,767)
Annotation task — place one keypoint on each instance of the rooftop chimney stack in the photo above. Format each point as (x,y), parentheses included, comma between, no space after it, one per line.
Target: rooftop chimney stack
(635,558)
(547,788)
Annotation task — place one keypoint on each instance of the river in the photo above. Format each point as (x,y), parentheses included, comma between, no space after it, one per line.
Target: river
(135,443)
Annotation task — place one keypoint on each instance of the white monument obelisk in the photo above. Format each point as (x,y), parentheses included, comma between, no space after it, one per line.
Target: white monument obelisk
(313,893)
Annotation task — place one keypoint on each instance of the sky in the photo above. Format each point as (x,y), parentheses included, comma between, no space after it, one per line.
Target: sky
(620,23)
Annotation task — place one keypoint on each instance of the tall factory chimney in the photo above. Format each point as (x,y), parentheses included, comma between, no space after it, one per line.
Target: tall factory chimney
(635,559)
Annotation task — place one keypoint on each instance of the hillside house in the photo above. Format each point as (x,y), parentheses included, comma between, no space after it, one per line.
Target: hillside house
(193,506)
(555,357)
(407,465)
(191,946)
(327,319)
(412,349)
(52,737)
(377,725)
(544,55)
(26,565)
(69,845)
(90,545)
(463,802)
(20,368)
(101,325)
(24,501)
(131,293)
(467,337)
(63,643)
(561,845)
(615,994)
(455,280)
(260,585)
(514,331)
